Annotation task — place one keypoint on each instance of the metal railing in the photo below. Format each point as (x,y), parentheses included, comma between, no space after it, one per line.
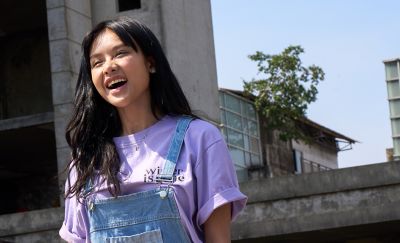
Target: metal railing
(308,166)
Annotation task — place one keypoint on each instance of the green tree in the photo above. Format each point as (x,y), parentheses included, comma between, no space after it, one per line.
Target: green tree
(284,95)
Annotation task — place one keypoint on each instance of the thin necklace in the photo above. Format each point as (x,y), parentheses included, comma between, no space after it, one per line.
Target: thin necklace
(141,140)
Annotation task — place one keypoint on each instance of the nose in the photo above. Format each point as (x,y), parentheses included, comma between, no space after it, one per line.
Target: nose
(109,67)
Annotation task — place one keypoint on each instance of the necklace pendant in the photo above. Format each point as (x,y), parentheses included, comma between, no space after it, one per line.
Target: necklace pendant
(136,148)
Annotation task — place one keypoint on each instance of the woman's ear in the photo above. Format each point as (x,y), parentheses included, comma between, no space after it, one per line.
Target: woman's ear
(151,65)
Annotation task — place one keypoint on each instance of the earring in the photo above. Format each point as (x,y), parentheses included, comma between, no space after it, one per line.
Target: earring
(153,70)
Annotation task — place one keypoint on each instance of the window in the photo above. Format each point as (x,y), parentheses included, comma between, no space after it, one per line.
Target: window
(125,5)
(394,107)
(393,89)
(395,127)
(297,161)
(391,70)
(240,131)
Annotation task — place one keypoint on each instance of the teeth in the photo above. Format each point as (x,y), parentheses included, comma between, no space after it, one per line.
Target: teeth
(116,81)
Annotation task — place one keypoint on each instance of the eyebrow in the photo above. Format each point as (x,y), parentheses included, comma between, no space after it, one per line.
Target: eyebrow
(99,54)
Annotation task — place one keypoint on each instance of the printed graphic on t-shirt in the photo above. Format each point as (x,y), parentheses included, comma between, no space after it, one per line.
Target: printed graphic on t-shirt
(150,174)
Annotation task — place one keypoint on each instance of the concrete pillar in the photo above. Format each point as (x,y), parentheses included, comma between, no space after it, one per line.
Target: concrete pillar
(188,42)
(389,155)
(68,22)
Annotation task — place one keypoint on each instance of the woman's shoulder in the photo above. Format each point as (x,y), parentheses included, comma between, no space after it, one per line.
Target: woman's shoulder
(199,132)
(197,126)
(202,126)
(203,132)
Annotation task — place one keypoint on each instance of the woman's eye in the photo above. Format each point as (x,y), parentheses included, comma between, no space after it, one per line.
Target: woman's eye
(95,64)
(120,53)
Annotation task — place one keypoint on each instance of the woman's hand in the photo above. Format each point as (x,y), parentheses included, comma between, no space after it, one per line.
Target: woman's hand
(217,227)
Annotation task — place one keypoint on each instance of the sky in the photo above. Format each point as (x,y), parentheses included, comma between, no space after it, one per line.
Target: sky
(348,39)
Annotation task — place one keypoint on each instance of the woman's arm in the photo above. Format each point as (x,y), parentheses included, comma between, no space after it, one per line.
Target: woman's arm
(217,227)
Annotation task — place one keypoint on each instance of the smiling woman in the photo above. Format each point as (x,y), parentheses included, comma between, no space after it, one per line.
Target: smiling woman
(143,166)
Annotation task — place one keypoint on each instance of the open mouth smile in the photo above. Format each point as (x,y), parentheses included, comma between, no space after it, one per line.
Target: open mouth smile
(116,83)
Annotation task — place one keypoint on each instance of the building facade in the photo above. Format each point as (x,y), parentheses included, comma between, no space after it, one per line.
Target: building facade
(258,153)
(393,88)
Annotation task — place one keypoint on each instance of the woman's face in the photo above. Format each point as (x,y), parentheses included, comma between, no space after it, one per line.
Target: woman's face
(120,74)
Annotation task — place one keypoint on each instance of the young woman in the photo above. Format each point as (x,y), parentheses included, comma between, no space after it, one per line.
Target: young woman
(143,167)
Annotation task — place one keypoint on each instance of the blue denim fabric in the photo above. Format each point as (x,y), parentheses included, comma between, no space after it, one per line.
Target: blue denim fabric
(174,149)
(143,216)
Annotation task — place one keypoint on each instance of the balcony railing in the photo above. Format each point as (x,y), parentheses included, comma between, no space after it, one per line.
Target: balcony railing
(308,166)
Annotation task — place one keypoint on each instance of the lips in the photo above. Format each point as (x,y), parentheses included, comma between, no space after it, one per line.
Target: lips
(115,82)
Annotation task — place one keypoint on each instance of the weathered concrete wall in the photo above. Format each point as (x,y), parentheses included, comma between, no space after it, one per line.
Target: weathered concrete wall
(389,155)
(319,202)
(32,227)
(26,121)
(277,156)
(318,153)
(25,75)
(149,13)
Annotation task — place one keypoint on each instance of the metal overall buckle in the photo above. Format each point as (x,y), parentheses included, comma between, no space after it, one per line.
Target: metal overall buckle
(159,180)
(85,197)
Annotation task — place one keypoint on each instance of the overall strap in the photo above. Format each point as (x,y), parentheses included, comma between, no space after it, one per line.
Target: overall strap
(88,188)
(174,150)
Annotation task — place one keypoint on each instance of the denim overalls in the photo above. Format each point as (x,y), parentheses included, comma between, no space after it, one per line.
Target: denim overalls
(148,216)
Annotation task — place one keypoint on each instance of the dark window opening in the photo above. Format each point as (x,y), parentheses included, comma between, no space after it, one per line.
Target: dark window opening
(27,170)
(297,161)
(125,5)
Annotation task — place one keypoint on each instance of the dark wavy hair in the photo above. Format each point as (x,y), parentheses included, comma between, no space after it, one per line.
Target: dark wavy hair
(95,122)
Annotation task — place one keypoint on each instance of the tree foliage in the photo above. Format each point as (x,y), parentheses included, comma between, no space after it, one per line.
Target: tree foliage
(286,92)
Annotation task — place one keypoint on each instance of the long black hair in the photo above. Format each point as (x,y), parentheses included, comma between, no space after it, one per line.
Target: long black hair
(95,122)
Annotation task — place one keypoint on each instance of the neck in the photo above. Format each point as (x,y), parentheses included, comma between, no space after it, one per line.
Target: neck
(136,119)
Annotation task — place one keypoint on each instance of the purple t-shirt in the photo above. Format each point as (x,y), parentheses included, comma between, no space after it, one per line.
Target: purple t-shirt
(205,176)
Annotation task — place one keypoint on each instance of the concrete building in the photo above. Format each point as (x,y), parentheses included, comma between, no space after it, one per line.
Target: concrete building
(288,203)
(392,68)
(258,153)
(323,154)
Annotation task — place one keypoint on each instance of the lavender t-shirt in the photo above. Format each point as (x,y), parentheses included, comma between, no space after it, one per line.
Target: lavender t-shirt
(205,176)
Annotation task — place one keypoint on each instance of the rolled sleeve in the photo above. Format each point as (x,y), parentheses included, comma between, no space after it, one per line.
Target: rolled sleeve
(75,227)
(217,183)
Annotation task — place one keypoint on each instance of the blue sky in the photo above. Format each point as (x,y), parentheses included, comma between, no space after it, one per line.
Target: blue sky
(347,39)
